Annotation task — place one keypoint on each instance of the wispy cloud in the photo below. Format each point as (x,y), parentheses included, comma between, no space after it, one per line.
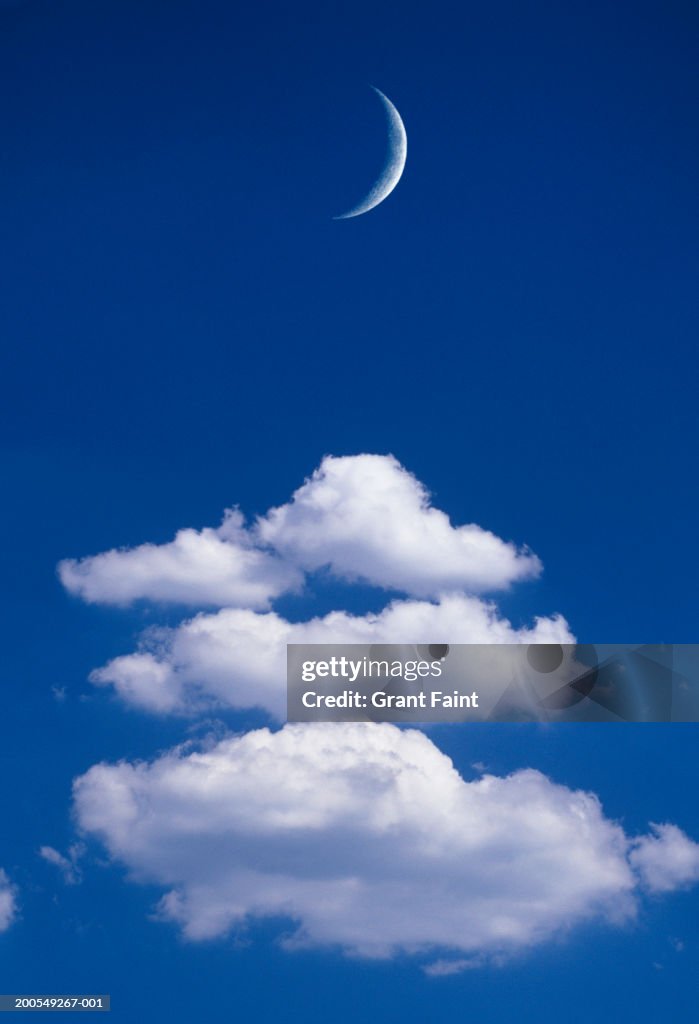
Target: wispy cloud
(8,901)
(448,968)
(68,866)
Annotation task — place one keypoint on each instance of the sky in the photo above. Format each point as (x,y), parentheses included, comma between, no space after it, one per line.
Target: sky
(185,329)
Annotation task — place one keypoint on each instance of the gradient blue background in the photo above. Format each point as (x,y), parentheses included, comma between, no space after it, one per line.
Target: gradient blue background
(184,327)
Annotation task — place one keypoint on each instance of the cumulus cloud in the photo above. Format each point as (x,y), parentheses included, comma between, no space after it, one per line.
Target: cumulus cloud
(237,658)
(365,517)
(362,517)
(367,839)
(666,859)
(8,901)
(208,567)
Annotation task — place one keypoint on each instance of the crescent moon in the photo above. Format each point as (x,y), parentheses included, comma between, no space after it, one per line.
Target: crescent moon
(396,154)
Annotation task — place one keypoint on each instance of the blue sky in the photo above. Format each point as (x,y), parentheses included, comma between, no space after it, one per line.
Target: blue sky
(185,328)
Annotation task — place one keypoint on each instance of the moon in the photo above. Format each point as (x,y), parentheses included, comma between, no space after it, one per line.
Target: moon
(396,154)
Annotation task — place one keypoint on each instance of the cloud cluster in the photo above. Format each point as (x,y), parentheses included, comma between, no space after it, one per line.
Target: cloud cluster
(363,836)
(366,838)
(8,901)
(360,517)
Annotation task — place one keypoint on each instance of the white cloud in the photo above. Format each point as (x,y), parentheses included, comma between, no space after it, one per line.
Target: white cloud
(367,839)
(237,658)
(367,518)
(8,902)
(207,567)
(666,859)
(363,517)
